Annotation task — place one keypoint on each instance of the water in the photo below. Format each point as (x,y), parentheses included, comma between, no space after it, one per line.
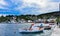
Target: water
(12,30)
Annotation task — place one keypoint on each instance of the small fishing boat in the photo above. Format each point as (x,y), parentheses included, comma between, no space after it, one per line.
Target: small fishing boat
(47,27)
(31,30)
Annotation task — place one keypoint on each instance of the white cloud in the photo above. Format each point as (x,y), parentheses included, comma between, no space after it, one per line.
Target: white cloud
(1,7)
(41,6)
(52,6)
(42,3)
(3,15)
(44,6)
(2,2)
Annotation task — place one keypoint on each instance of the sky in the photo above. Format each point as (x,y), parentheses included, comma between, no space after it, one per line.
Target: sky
(19,7)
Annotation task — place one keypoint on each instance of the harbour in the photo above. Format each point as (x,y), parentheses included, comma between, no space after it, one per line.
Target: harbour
(29,17)
(12,30)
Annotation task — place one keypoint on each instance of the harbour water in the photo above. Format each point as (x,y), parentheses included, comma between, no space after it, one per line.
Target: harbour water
(13,30)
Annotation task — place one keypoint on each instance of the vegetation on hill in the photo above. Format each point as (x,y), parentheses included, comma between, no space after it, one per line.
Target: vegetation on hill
(31,17)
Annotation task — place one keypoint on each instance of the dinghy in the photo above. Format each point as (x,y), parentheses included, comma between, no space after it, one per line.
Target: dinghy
(32,29)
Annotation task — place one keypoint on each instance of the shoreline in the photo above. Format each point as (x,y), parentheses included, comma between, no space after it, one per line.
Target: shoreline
(56,31)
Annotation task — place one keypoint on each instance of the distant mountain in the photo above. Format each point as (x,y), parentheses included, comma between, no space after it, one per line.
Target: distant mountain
(56,13)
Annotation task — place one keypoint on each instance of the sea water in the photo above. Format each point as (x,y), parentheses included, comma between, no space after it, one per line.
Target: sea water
(13,30)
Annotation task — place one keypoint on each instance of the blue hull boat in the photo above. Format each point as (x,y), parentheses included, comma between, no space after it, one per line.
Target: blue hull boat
(35,32)
(31,31)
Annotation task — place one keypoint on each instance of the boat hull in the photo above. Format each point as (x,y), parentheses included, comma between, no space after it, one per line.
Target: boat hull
(47,28)
(32,32)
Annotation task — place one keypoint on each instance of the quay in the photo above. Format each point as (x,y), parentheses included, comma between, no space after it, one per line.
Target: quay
(56,31)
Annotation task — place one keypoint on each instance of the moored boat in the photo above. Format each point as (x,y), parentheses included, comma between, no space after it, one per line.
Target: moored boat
(32,29)
(46,26)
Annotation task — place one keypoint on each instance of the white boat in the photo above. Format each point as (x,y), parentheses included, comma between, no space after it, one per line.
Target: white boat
(30,31)
(34,29)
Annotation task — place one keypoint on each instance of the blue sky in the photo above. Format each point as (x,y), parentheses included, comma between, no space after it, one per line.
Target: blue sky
(18,7)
